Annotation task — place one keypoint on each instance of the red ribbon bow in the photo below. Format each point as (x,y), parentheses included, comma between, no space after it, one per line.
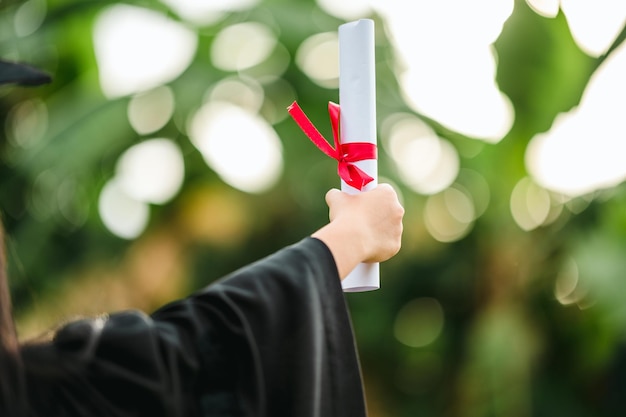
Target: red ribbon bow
(344,153)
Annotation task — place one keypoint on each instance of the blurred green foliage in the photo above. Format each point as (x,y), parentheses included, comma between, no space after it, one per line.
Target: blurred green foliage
(507,346)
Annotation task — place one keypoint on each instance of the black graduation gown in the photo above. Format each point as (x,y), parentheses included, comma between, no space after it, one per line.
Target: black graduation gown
(272,339)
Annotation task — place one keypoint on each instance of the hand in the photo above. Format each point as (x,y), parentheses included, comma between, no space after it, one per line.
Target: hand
(364,227)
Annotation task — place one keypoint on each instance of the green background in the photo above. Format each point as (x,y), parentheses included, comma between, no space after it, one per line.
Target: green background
(507,346)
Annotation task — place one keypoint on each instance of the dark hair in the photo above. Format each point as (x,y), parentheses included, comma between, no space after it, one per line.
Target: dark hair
(25,75)
(12,385)
(12,401)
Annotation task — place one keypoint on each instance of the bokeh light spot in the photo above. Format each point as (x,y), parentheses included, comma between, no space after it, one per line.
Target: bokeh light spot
(566,289)
(449,215)
(447,77)
(242,148)
(151,171)
(594,25)
(138,49)
(420,322)
(318,58)
(150,111)
(204,12)
(27,123)
(459,204)
(530,204)
(242,46)
(29,17)
(584,150)
(242,92)
(476,186)
(122,215)
(346,9)
(425,162)
(271,68)
(546,8)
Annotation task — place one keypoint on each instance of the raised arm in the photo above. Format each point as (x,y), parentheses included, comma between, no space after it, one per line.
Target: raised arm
(365,227)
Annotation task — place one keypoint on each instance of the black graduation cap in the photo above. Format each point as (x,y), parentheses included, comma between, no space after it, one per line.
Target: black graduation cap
(21,74)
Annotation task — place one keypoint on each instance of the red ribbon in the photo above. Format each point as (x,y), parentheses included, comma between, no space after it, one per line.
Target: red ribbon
(344,153)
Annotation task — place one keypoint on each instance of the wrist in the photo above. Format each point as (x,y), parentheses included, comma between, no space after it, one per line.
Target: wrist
(344,243)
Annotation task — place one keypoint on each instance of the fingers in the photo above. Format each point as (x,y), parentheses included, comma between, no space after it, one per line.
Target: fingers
(372,218)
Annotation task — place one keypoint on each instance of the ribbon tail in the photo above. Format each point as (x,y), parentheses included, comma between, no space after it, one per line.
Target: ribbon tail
(310,130)
(354,176)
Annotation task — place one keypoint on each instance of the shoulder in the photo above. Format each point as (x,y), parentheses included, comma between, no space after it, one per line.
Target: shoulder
(80,337)
(119,364)
(78,342)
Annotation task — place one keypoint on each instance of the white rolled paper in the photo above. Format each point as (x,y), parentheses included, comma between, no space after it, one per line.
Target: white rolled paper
(357,123)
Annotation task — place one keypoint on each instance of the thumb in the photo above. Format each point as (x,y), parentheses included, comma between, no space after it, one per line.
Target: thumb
(334,199)
(333,196)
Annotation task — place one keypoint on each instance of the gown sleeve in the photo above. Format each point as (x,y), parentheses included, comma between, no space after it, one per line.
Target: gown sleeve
(271,339)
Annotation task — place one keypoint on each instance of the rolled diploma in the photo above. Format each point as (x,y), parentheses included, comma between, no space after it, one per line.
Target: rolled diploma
(357,123)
